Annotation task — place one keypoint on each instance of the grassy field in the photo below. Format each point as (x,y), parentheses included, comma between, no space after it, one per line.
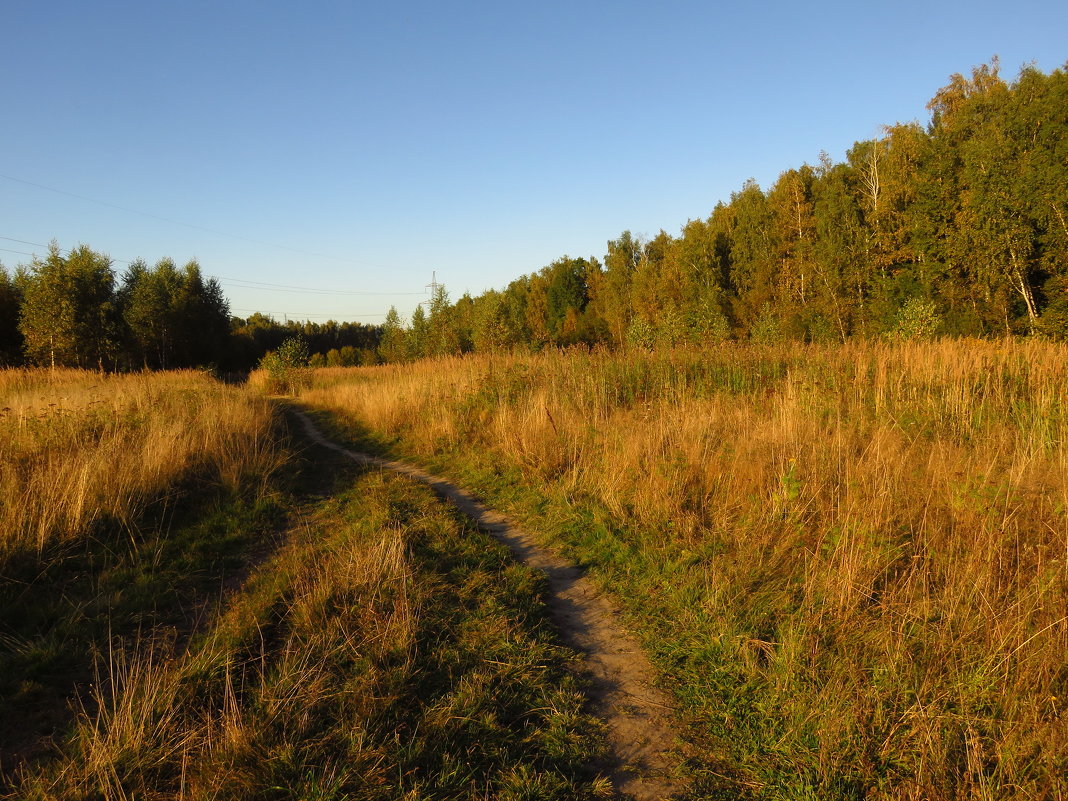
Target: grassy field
(80,450)
(850,562)
(195,605)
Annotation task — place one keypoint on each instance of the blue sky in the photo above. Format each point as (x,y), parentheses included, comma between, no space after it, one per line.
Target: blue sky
(355,148)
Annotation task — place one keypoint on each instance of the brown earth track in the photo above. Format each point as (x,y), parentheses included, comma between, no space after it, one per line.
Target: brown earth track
(642,737)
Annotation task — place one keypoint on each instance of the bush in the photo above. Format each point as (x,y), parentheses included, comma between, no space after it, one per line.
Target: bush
(918,319)
(287,368)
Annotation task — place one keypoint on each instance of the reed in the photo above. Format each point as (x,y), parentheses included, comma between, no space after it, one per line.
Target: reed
(851,561)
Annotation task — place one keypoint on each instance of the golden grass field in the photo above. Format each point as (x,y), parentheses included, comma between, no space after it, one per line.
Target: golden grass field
(850,561)
(196,605)
(78,448)
(850,564)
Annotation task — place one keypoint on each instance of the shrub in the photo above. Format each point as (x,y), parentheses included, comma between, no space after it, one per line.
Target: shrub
(287,368)
(918,319)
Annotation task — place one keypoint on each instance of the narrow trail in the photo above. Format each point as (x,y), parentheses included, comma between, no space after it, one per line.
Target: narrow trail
(638,716)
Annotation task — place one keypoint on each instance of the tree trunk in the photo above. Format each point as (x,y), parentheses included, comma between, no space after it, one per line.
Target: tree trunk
(1025,288)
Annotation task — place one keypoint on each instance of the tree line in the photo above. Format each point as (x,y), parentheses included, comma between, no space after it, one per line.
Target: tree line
(955,227)
(73,311)
(958,227)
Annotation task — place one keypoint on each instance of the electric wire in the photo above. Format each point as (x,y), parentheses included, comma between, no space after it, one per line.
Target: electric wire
(192,226)
(297,314)
(241,282)
(259,285)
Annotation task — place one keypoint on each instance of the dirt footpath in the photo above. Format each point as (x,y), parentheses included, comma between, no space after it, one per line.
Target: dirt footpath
(638,715)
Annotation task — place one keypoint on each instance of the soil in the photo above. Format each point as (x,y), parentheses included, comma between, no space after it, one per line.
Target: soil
(642,738)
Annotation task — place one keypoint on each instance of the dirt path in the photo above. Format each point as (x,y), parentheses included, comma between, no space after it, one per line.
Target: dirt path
(637,714)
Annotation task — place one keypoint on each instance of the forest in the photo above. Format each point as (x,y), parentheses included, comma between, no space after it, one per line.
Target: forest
(70,311)
(958,227)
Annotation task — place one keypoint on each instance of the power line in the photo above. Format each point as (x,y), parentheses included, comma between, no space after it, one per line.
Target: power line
(239,282)
(23,242)
(38,244)
(184,224)
(273,287)
(298,314)
(287,288)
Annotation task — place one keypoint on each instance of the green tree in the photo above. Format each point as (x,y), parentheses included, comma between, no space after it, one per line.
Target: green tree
(566,296)
(68,315)
(611,301)
(443,334)
(287,367)
(489,328)
(174,317)
(841,285)
(753,271)
(11,341)
(657,290)
(793,231)
(393,347)
(418,335)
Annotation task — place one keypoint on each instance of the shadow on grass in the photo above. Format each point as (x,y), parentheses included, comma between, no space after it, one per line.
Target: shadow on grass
(64,610)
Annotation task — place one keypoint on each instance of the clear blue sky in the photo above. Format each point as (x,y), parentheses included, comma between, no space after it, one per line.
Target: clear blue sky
(357,147)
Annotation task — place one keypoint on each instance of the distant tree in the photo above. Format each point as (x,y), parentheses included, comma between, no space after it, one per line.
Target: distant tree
(753,272)
(206,313)
(443,334)
(463,320)
(146,298)
(966,216)
(793,233)
(349,356)
(174,317)
(566,296)
(513,311)
(418,335)
(918,319)
(657,290)
(841,282)
(68,315)
(393,347)
(11,341)
(490,332)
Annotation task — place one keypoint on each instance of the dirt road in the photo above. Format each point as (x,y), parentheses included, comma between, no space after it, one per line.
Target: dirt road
(638,716)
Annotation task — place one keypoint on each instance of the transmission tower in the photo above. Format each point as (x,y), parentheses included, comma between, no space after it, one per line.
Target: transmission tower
(433,287)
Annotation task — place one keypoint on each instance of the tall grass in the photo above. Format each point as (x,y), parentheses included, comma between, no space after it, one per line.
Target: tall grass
(852,561)
(78,448)
(387,651)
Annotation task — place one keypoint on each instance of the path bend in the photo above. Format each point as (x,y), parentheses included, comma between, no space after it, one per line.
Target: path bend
(641,735)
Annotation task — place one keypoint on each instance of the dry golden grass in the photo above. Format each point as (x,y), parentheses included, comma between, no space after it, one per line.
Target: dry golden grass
(386,651)
(865,547)
(79,447)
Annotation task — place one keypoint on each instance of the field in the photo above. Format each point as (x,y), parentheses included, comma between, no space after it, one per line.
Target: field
(850,563)
(197,605)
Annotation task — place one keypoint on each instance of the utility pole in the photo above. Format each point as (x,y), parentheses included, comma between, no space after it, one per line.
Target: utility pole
(433,287)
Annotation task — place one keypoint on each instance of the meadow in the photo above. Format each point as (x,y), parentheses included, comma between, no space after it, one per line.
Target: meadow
(79,450)
(850,562)
(197,604)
